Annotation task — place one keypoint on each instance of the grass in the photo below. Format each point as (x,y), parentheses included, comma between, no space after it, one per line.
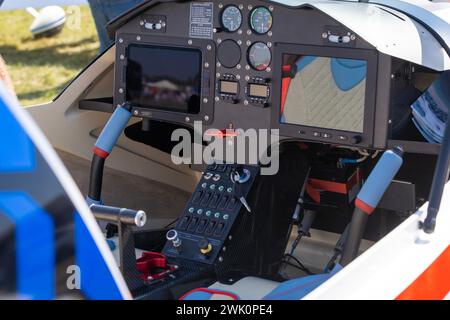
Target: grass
(41,68)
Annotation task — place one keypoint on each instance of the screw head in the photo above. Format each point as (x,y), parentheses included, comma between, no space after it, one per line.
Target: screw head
(206,118)
(187,119)
(120,40)
(189,42)
(205,100)
(120,90)
(208,47)
(324,35)
(138,38)
(122,57)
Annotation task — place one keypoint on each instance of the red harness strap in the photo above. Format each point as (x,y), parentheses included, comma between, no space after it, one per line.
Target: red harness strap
(314,186)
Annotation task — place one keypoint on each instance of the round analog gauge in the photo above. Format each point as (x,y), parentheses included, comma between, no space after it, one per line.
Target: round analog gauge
(231,18)
(261,20)
(259,56)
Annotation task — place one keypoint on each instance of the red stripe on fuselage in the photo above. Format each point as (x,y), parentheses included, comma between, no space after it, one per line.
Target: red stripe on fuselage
(433,283)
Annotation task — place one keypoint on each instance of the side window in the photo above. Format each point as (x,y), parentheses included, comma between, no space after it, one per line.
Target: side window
(43,55)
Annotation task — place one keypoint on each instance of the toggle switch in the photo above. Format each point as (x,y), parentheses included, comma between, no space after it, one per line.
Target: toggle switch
(172,235)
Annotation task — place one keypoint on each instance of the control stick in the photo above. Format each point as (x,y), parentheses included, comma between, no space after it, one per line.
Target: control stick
(368,198)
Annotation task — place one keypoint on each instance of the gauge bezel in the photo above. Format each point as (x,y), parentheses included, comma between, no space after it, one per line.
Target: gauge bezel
(221,18)
(248,56)
(250,20)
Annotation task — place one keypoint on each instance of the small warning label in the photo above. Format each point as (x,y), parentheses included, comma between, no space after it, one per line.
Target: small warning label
(201,20)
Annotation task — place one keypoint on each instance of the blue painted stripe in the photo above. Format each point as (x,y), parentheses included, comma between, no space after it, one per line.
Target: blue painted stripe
(35,256)
(16,149)
(97,281)
(113,129)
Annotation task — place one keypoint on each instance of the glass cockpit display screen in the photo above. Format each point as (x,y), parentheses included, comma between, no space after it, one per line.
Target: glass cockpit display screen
(323,92)
(165,78)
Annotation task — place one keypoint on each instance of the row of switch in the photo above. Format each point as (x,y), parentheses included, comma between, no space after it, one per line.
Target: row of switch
(208,213)
(213,187)
(215,200)
(202,226)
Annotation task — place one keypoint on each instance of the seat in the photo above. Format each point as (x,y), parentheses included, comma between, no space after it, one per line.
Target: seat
(252,288)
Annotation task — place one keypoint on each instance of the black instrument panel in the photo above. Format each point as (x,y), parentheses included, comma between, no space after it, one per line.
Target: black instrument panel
(245,49)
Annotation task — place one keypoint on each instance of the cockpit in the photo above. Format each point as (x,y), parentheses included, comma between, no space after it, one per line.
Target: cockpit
(268,141)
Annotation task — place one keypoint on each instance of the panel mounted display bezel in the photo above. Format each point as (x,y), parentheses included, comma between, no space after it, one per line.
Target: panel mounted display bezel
(207,90)
(325,135)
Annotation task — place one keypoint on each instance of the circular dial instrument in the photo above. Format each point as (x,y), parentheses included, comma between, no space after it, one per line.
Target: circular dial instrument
(231,18)
(261,20)
(259,56)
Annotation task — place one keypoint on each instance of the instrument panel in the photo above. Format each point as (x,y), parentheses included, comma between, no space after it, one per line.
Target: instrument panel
(254,64)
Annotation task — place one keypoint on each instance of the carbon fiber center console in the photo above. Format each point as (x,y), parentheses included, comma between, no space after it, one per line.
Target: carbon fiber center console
(211,212)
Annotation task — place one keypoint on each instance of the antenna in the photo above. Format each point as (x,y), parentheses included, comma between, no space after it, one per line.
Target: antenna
(439,179)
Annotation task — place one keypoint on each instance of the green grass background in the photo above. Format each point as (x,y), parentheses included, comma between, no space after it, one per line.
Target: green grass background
(41,68)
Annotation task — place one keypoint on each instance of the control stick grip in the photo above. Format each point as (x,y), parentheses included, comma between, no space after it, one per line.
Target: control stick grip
(379,180)
(136,218)
(368,198)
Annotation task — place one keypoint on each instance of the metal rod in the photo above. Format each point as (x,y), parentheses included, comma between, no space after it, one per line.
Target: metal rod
(137,218)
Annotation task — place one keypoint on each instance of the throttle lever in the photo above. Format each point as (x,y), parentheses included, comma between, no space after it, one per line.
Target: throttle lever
(239,176)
